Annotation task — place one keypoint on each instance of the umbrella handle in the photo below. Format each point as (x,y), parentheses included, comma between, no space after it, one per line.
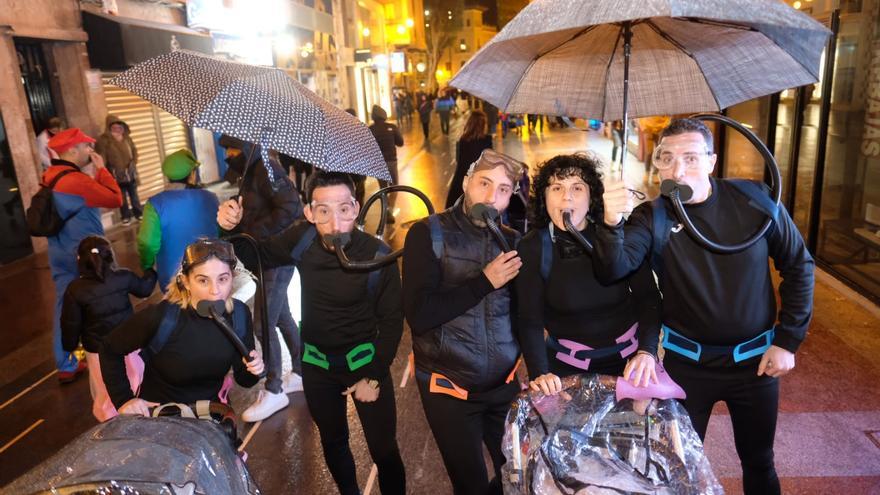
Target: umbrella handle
(775,194)
(264,309)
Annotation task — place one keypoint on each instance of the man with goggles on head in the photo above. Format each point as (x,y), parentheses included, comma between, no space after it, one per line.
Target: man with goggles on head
(458,304)
(719,317)
(351,326)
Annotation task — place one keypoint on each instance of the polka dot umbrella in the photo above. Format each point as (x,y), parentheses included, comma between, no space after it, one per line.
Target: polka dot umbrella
(259,104)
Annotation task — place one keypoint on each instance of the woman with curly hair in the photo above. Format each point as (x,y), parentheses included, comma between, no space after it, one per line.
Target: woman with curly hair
(607,329)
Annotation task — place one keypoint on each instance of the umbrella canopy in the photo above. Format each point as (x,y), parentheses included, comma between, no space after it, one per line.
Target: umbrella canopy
(566,57)
(259,104)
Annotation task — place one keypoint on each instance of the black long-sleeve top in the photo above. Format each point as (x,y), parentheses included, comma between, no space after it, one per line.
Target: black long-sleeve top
(92,308)
(720,299)
(426,304)
(189,367)
(572,304)
(338,312)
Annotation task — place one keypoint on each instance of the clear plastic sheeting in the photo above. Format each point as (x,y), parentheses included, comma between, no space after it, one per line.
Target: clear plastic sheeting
(137,455)
(583,441)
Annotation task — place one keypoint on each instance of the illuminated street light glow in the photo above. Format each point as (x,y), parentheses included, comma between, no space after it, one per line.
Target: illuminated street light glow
(421,67)
(796,5)
(427,13)
(366,32)
(401,29)
(410,23)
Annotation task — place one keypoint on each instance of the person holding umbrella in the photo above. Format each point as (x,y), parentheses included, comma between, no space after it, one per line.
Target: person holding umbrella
(268,208)
(723,338)
(351,326)
(457,300)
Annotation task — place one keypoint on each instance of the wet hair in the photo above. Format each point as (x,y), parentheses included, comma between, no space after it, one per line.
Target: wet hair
(475,127)
(320,178)
(583,165)
(94,258)
(683,126)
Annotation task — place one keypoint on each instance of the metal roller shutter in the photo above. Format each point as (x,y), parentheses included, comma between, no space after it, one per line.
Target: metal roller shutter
(155,132)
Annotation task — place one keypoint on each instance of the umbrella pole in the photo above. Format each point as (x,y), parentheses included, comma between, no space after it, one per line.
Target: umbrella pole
(627,44)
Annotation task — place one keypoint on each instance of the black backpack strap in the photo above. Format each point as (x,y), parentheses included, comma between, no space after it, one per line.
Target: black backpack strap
(304,242)
(239,319)
(59,176)
(758,197)
(436,235)
(546,253)
(375,276)
(170,314)
(662,226)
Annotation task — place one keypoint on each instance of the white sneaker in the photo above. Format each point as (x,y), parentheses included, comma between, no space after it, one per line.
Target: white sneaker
(292,383)
(266,405)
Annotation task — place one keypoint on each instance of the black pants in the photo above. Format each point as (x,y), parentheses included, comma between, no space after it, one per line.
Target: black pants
(129,190)
(323,390)
(462,427)
(444,121)
(753,402)
(426,125)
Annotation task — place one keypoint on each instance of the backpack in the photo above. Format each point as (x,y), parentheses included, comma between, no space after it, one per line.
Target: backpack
(43,219)
(169,322)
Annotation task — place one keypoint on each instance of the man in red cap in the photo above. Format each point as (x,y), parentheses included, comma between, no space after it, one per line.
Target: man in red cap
(77,198)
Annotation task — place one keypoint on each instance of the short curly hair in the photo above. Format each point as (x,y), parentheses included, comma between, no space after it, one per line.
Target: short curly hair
(583,165)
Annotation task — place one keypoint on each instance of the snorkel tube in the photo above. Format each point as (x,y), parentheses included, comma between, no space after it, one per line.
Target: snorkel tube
(566,220)
(485,213)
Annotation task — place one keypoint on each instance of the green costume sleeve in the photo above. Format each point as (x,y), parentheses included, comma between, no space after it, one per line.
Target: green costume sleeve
(149,237)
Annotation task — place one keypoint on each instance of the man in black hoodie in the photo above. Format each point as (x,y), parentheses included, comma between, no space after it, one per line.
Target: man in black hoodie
(268,207)
(457,301)
(721,335)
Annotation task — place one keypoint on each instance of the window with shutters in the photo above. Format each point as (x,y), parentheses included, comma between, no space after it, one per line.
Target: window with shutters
(155,132)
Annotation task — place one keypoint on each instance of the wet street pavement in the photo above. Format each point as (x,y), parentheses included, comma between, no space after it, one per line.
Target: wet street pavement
(829,429)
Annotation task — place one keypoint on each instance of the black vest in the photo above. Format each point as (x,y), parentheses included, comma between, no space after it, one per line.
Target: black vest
(477,349)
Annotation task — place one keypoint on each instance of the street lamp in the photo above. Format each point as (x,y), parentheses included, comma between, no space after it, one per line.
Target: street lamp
(463,47)
(401,29)
(427,13)
(366,32)
(421,67)
(410,23)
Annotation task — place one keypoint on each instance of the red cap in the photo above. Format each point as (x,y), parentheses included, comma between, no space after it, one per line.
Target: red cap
(67,139)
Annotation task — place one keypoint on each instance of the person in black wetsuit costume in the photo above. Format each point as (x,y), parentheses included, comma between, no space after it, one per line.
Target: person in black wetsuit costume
(591,327)
(723,338)
(457,300)
(192,363)
(351,325)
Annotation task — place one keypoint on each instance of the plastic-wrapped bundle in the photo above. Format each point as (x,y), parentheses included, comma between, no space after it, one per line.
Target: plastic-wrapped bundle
(133,454)
(584,441)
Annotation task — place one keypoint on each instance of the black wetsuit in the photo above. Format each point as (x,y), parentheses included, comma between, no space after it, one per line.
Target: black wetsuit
(571,304)
(724,300)
(190,366)
(339,312)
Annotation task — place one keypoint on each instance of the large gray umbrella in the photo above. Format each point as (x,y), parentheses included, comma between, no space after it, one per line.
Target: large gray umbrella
(572,57)
(262,105)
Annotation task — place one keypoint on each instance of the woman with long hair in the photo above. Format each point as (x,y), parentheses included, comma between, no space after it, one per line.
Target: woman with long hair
(594,328)
(187,355)
(474,139)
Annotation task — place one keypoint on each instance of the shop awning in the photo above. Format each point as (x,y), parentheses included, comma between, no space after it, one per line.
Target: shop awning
(117,43)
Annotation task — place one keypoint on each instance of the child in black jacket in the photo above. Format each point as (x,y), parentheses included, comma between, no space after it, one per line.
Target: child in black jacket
(94,304)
